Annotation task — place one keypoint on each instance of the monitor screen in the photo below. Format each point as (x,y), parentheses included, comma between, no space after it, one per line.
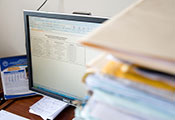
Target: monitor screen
(56,60)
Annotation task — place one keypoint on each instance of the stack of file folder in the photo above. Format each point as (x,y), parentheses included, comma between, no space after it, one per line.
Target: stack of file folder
(125,91)
(135,78)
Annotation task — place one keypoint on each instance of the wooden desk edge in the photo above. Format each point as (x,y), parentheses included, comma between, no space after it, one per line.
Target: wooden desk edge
(21,107)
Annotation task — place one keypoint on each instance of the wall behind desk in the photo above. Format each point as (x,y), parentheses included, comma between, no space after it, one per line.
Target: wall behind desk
(12,38)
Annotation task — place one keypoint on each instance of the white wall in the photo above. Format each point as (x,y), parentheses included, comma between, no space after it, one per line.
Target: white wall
(97,7)
(12,40)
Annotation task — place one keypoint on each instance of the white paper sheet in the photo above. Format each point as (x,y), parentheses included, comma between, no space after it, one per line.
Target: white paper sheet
(5,115)
(48,108)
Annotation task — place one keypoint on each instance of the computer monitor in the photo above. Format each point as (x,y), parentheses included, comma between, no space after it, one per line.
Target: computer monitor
(56,60)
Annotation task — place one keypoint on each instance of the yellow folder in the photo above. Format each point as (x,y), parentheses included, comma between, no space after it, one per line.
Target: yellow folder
(127,71)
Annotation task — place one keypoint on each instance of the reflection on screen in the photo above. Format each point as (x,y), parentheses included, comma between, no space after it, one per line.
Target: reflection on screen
(58,60)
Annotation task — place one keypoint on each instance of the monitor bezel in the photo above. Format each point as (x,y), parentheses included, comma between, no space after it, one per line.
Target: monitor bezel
(61,16)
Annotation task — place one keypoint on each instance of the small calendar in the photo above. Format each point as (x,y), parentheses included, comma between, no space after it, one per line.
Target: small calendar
(14,77)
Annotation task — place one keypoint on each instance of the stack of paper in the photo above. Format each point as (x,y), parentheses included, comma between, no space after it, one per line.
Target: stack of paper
(48,108)
(135,80)
(126,90)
